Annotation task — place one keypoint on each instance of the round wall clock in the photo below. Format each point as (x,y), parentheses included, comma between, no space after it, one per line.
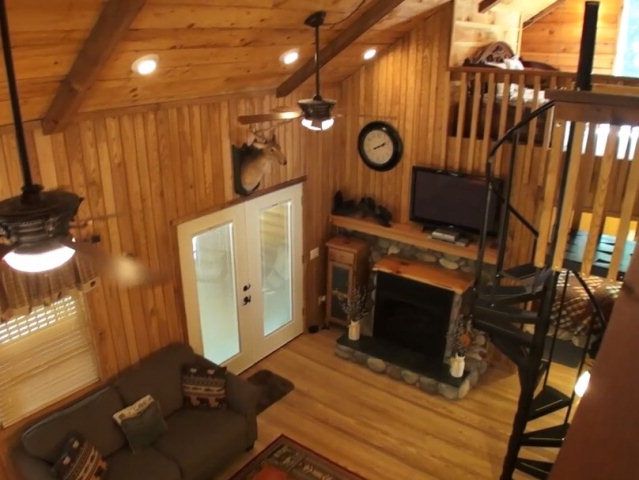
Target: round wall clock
(380,146)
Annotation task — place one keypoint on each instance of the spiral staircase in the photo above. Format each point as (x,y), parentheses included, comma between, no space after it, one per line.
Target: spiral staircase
(514,304)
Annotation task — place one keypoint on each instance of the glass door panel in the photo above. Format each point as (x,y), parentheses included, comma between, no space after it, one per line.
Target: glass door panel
(215,278)
(275,258)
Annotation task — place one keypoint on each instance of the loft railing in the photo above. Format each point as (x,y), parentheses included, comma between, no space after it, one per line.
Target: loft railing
(486,103)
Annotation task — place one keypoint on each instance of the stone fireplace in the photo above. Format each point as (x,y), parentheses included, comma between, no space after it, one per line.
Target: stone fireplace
(416,323)
(414,315)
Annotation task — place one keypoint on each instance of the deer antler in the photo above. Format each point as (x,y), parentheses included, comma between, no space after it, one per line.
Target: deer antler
(259,134)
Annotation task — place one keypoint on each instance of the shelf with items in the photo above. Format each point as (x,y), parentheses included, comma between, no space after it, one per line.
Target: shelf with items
(412,234)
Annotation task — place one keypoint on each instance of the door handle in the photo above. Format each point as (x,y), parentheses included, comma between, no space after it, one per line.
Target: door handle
(246,287)
(247,300)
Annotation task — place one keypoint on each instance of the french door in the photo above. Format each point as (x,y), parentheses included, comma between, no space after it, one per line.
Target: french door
(242,278)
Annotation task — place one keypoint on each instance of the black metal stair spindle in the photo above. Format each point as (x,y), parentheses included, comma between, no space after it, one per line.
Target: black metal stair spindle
(505,213)
(560,312)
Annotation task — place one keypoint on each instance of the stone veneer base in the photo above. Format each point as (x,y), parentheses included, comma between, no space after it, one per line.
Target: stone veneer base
(434,382)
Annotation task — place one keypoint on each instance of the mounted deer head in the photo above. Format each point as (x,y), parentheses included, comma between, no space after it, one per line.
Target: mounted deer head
(253,159)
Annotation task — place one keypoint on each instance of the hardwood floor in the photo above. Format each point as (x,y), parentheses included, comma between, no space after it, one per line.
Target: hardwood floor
(383,429)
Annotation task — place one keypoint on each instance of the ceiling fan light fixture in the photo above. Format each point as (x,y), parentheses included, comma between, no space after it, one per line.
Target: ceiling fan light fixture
(318,125)
(317,114)
(45,257)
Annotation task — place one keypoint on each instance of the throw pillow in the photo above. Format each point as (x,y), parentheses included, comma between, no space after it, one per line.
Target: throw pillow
(142,423)
(80,460)
(204,385)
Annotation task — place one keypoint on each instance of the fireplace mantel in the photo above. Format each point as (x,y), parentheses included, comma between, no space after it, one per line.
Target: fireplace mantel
(412,234)
(431,274)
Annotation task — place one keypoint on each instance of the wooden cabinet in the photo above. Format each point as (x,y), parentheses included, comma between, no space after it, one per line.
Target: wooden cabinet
(347,270)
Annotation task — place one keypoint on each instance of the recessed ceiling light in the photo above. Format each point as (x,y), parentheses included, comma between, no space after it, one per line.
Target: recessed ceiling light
(145,65)
(370,53)
(290,57)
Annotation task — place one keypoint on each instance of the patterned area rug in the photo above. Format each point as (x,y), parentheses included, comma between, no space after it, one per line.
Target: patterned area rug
(273,388)
(285,459)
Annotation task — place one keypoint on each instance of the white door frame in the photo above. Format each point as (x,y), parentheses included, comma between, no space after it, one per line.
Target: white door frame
(271,342)
(247,262)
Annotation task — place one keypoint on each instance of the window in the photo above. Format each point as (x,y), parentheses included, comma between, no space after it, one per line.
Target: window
(627,58)
(44,356)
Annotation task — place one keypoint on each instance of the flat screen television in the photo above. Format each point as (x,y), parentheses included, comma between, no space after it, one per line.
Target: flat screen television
(441,198)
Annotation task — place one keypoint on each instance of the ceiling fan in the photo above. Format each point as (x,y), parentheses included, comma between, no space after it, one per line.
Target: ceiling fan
(35,226)
(316,112)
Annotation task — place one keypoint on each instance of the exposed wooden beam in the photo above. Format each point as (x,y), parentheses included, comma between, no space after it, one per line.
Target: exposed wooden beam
(370,17)
(486,5)
(112,24)
(549,9)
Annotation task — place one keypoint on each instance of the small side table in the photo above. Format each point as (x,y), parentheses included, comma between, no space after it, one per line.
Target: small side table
(348,268)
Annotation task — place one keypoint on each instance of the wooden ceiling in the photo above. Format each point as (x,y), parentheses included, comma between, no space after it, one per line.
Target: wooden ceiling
(206,47)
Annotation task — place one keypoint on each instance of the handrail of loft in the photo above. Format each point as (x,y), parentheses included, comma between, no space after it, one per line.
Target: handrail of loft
(597,78)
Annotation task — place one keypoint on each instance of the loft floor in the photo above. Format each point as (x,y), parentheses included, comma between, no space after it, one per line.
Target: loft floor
(383,429)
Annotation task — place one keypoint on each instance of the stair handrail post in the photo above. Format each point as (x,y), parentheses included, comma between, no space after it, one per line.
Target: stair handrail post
(502,235)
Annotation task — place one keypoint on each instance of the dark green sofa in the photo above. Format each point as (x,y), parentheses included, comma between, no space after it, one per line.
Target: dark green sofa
(198,443)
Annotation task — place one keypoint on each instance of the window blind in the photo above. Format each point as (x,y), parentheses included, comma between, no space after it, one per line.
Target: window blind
(44,356)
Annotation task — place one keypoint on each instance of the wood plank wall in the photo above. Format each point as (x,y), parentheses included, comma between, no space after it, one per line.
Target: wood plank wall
(155,167)
(407,87)
(555,38)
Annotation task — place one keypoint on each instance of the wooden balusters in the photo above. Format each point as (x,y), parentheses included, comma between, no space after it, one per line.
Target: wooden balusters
(566,212)
(550,192)
(599,204)
(630,194)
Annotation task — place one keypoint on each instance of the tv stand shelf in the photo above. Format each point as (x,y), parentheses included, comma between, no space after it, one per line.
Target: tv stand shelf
(412,234)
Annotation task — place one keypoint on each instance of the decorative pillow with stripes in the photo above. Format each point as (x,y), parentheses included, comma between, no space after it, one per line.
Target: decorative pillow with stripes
(80,460)
(204,385)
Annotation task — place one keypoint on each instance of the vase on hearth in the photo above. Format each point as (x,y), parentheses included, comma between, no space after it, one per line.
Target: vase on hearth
(457,365)
(354,330)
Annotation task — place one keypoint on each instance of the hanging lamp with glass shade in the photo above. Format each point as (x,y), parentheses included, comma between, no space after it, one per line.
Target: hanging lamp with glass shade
(34,226)
(317,111)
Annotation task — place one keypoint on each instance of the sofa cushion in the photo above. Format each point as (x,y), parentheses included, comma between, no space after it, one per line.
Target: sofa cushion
(201,441)
(90,417)
(142,423)
(80,460)
(204,385)
(146,464)
(159,375)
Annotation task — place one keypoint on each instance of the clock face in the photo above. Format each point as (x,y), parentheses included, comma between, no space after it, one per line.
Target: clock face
(380,146)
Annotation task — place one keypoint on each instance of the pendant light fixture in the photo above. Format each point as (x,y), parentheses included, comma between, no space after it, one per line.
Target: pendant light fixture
(316,111)
(34,226)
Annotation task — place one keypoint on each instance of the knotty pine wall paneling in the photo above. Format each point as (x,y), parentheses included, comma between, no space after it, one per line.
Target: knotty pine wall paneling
(555,38)
(408,87)
(153,168)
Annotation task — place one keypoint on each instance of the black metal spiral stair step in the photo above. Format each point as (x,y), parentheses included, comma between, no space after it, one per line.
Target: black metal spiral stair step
(496,311)
(503,328)
(534,468)
(513,351)
(548,401)
(527,273)
(510,293)
(546,437)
